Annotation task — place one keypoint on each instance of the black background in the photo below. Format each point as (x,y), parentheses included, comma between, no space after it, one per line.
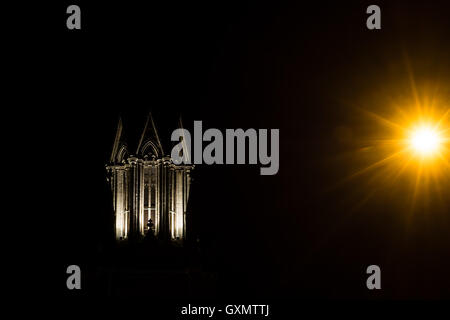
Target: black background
(292,66)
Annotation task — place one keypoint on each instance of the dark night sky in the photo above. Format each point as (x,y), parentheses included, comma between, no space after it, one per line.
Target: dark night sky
(293,66)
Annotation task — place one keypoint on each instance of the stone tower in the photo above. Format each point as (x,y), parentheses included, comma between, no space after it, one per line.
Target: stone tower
(147,185)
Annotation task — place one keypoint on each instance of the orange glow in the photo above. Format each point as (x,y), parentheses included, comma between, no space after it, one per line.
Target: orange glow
(402,147)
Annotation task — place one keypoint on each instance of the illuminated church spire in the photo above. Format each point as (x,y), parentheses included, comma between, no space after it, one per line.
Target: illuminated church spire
(147,185)
(149,140)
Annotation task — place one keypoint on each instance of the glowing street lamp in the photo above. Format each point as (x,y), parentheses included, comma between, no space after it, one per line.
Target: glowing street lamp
(425,141)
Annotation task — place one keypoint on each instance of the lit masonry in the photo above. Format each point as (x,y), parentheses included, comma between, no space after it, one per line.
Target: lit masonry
(147,185)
